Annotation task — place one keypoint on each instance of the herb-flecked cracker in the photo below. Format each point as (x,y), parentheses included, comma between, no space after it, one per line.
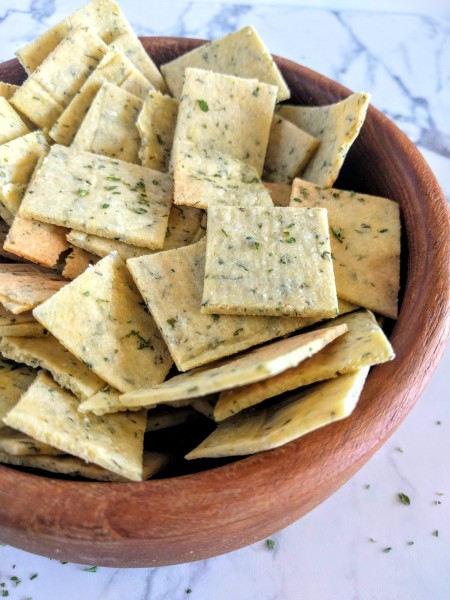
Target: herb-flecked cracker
(11,125)
(100,318)
(336,126)
(268,261)
(171,284)
(254,365)
(100,195)
(225,114)
(364,345)
(365,242)
(241,53)
(267,428)
(31,330)
(49,414)
(14,380)
(19,444)
(47,353)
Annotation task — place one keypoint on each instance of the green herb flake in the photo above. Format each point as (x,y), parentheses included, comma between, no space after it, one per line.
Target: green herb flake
(404,499)
(82,193)
(105,205)
(297,199)
(386,550)
(113,178)
(87,293)
(270,544)
(5,593)
(436,533)
(172,322)
(91,569)
(33,576)
(15,580)
(291,240)
(224,233)
(256,245)
(203,105)
(189,591)
(410,543)
(338,234)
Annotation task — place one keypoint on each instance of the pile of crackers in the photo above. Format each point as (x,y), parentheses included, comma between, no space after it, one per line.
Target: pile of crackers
(166,234)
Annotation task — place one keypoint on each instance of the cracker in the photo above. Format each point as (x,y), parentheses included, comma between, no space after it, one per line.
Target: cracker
(204,178)
(6,215)
(19,444)
(288,152)
(100,319)
(77,262)
(31,330)
(7,89)
(109,127)
(23,286)
(273,262)
(336,126)
(279,192)
(171,284)
(163,417)
(364,345)
(102,402)
(113,68)
(267,428)
(100,195)
(49,414)
(18,160)
(254,365)
(365,242)
(156,126)
(241,53)
(14,380)
(9,318)
(49,89)
(11,125)
(47,353)
(33,240)
(225,114)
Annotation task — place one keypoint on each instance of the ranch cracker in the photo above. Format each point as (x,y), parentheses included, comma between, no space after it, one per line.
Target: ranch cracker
(14,380)
(19,444)
(11,125)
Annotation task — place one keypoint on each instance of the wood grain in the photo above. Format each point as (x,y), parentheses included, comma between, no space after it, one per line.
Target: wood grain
(197,516)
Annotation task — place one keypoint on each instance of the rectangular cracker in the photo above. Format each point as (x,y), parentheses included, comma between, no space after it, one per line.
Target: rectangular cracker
(109,126)
(269,261)
(225,114)
(204,178)
(100,195)
(77,262)
(11,125)
(47,353)
(24,286)
(171,284)
(49,414)
(7,89)
(241,53)
(49,89)
(110,329)
(365,242)
(114,68)
(14,380)
(288,152)
(336,126)
(156,125)
(19,444)
(364,345)
(31,330)
(9,318)
(254,365)
(267,428)
(18,160)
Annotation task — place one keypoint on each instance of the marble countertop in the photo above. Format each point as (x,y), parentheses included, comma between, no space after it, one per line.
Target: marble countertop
(362,543)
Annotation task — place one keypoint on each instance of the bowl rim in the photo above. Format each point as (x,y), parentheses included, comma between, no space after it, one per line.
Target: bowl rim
(121,523)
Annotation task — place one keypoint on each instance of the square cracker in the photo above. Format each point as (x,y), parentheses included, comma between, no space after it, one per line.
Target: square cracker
(115,69)
(49,89)
(204,178)
(241,53)
(18,160)
(100,195)
(11,125)
(364,345)
(365,242)
(19,444)
(225,114)
(14,380)
(47,353)
(171,284)
(266,428)
(254,365)
(49,414)
(7,89)
(109,127)
(336,126)
(100,318)
(269,261)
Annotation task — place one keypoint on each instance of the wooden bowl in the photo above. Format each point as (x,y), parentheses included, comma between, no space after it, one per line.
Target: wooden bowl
(197,516)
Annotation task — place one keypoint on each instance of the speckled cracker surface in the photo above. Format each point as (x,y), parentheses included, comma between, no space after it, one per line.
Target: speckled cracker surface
(49,414)
(23,330)
(77,262)
(254,365)
(288,420)
(100,195)
(225,114)
(109,127)
(171,284)
(268,261)
(11,125)
(19,444)
(241,53)
(49,89)
(14,380)
(365,242)
(364,345)
(47,353)
(336,126)
(100,319)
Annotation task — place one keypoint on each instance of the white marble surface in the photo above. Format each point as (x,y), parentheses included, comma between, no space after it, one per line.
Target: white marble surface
(339,551)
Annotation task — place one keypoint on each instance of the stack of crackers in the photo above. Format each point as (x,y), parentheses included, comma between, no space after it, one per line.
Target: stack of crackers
(166,235)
